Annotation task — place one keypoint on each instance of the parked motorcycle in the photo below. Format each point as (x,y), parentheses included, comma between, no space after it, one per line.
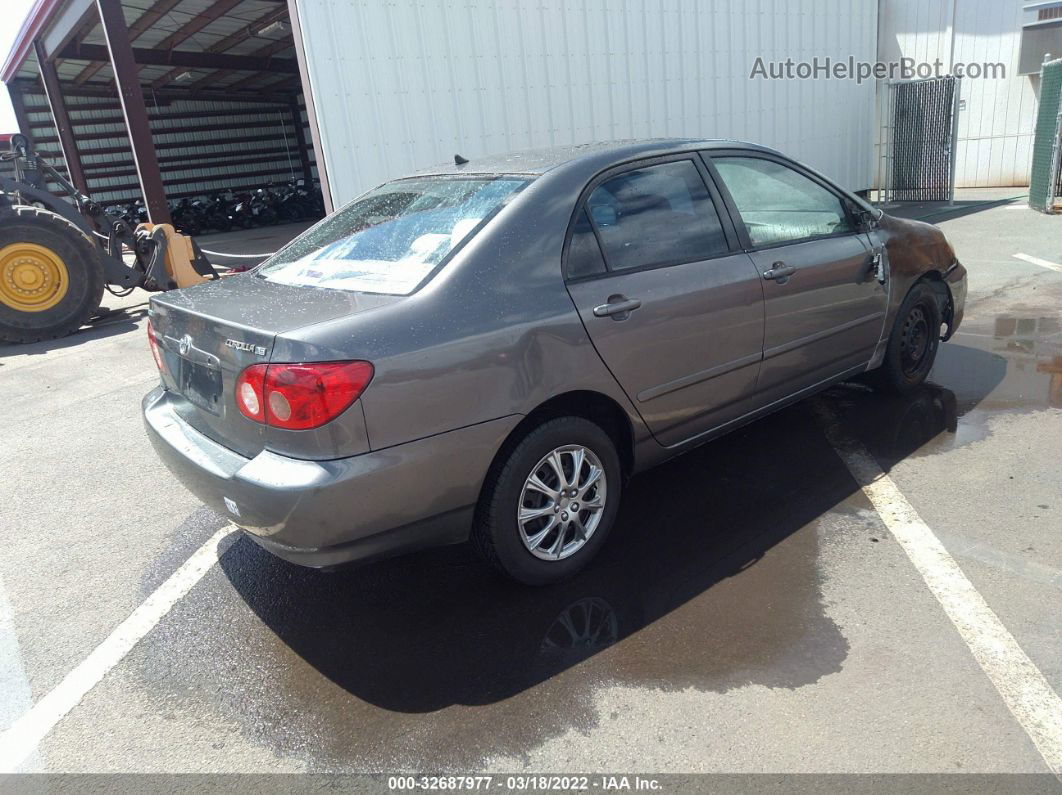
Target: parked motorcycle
(223,210)
(187,217)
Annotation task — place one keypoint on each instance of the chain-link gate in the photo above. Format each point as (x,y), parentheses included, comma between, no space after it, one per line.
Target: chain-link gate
(918,146)
(1045,181)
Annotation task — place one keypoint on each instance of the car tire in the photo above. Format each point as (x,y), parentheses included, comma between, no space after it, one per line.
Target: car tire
(57,247)
(913,343)
(534,551)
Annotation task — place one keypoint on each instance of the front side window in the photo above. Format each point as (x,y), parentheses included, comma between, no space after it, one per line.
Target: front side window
(392,238)
(656,215)
(779,204)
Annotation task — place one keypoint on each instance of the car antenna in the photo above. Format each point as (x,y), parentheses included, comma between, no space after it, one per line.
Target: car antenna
(460,161)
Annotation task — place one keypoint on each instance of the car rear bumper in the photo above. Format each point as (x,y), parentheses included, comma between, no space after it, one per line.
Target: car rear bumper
(325,513)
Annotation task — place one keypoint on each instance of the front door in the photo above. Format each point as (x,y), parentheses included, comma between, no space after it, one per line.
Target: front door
(671,305)
(824,306)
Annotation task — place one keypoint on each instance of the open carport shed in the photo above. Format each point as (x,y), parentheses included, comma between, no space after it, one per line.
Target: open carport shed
(162,99)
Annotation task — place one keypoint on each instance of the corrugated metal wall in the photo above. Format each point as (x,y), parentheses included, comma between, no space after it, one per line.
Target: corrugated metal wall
(43,128)
(996,124)
(405,84)
(202,145)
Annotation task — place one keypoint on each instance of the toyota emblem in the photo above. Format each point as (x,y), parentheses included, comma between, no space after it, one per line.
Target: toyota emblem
(185,345)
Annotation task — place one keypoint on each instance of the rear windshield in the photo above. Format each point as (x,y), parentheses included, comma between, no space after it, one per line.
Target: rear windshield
(393,237)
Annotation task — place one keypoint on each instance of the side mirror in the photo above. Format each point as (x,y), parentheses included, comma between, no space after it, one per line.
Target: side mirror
(868,219)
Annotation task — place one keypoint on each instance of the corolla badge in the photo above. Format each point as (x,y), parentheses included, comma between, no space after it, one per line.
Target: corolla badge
(184,345)
(245,346)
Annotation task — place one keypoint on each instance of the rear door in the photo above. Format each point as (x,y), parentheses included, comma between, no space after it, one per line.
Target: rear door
(824,306)
(673,307)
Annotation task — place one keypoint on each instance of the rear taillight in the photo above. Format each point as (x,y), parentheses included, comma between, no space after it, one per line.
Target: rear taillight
(155,350)
(249,388)
(300,396)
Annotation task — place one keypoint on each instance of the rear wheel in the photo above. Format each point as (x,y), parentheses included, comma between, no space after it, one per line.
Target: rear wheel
(549,504)
(913,343)
(51,276)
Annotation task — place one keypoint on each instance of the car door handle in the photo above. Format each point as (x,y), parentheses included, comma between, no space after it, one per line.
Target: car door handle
(779,271)
(616,307)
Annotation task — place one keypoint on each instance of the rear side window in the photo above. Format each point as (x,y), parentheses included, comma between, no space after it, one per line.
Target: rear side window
(657,215)
(392,238)
(584,254)
(779,204)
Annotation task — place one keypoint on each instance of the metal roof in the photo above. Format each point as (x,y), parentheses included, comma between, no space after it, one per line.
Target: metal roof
(189,46)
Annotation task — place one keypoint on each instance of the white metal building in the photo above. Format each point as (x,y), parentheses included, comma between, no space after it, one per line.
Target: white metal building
(996,114)
(401,85)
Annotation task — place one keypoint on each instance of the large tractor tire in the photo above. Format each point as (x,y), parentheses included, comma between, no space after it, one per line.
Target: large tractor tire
(51,276)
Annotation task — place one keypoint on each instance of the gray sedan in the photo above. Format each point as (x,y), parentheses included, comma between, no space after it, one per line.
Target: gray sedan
(488,350)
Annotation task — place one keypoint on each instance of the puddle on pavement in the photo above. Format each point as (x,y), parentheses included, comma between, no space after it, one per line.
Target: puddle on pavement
(1027,369)
(710,580)
(1012,366)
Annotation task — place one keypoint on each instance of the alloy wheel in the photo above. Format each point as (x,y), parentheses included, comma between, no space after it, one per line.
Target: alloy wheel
(561,502)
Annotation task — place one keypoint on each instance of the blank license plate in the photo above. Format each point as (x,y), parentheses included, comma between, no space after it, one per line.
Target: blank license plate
(201,385)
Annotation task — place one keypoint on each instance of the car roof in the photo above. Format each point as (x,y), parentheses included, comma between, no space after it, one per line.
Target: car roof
(539,161)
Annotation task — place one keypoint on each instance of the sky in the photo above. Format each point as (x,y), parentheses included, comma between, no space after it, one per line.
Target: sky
(10,21)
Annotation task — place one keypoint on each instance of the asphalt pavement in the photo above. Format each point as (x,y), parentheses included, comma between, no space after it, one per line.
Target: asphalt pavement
(758,608)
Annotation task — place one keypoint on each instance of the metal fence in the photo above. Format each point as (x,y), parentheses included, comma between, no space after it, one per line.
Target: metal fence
(1045,181)
(918,140)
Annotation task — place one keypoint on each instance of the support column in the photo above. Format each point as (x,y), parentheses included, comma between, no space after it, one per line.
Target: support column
(131,96)
(54,93)
(300,140)
(311,111)
(18,104)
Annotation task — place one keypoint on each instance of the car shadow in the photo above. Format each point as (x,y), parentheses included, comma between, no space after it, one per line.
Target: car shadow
(429,630)
(935,212)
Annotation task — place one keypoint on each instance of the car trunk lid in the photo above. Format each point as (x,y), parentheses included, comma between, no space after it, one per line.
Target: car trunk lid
(209,333)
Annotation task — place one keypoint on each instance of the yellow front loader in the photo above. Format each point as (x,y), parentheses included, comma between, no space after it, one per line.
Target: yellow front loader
(57,257)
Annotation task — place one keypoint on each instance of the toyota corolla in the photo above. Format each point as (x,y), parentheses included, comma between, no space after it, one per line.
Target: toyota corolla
(488,350)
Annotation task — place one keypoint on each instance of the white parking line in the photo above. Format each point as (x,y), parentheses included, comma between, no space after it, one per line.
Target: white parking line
(1024,689)
(16,694)
(23,736)
(1043,263)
